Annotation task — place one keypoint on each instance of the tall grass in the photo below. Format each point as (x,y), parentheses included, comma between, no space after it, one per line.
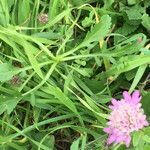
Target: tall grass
(57,78)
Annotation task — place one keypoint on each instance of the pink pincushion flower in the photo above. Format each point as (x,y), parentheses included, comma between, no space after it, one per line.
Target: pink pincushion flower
(126,116)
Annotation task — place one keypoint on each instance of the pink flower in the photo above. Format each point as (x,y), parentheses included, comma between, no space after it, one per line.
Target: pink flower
(126,116)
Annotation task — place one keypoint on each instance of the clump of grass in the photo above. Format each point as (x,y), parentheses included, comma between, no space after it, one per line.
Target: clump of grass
(59,73)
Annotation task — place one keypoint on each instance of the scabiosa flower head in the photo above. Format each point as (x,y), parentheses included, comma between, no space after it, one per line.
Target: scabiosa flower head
(126,116)
(43,18)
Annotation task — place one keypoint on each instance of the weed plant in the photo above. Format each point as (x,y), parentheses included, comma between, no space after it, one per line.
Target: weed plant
(61,62)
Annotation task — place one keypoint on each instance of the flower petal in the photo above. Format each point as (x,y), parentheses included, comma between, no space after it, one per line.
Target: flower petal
(111,139)
(126,96)
(114,102)
(107,130)
(127,141)
(136,97)
(119,139)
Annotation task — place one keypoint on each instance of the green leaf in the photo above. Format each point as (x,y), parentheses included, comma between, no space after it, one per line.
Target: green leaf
(42,139)
(95,85)
(48,141)
(145,103)
(146,21)
(88,21)
(146,147)
(134,13)
(4,13)
(125,30)
(129,64)
(132,2)
(147,131)
(62,98)
(99,31)
(83,85)
(56,19)
(47,35)
(30,51)
(75,145)
(16,146)
(146,138)
(83,71)
(23,11)
(108,3)
(54,8)
(8,103)
(6,72)
(137,137)
(138,76)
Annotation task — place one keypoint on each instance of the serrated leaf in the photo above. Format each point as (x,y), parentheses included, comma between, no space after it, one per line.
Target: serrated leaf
(134,13)
(125,30)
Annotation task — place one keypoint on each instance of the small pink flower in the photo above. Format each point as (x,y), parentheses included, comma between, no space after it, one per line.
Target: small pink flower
(126,116)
